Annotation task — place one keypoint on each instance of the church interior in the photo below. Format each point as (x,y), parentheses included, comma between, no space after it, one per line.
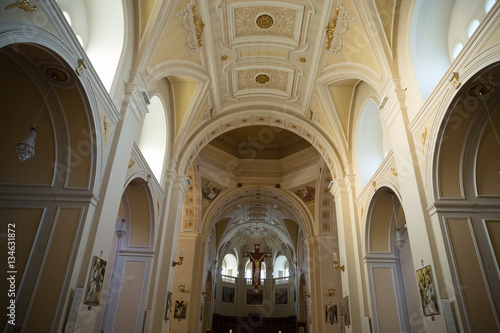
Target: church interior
(239,166)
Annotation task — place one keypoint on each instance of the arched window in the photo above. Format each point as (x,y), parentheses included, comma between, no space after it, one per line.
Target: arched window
(370,142)
(489,4)
(472,27)
(153,141)
(230,265)
(281,267)
(456,50)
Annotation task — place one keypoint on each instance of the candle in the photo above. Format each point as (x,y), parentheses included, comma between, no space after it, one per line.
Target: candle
(335,256)
(182,252)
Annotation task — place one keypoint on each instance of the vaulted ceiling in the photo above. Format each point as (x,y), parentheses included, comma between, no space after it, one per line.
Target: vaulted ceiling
(302,59)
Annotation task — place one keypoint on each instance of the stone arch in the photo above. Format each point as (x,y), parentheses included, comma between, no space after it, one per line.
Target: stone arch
(58,182)
(300,214)
(391,280)
(133,260)
(226,122)
(465,191)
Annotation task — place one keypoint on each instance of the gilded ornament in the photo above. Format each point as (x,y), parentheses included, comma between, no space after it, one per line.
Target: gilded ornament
(22,4)
(302,59)
(224,57)
(338,25)
(194,25)
(330,29)
(262,79)
(105,123)
(81,67)
(454,80)
(264,21)
(374,184)
(424,137)
(131,163)
(394,172)
(198,25)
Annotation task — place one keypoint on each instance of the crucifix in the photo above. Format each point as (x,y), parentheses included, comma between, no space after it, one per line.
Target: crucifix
(256,258)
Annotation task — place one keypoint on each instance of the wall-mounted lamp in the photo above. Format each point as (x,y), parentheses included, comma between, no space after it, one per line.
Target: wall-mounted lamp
(182,288)
(181,258)
(331,289)
(336,262)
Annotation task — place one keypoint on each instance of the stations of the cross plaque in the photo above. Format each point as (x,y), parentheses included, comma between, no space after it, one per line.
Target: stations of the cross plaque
(256,258)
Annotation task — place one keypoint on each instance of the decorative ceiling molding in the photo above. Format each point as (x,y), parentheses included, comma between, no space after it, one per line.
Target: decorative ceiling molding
(194,26)
(263,22)
(338,25)
(278,80)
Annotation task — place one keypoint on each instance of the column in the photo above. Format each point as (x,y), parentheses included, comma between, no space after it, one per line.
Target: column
(168,234)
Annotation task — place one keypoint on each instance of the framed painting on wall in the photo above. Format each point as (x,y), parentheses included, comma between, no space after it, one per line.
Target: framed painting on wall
(169,304)
(228,294)
(253,298)
(180,309)
(96,277)
(427,291)
(331,313)
(347,314)
(281,296)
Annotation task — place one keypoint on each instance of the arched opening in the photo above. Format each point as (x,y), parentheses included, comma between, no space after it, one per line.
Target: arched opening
(391,275)
(370,142)
(128,282)
(466,175)
(230,265)
(281,267)
(153,141)
(39,193)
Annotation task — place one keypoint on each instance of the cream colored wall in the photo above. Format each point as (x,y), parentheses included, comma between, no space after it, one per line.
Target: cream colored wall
(52,275)
(472,281)
(127,319)
(385,297)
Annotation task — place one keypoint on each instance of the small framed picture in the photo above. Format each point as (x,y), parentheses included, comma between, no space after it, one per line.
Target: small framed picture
(427,291)
(180,309)
(331,313)
(96,277)
(347,313)
(228,294)
(169,304)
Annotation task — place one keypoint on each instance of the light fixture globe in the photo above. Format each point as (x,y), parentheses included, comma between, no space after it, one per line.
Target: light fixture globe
(399,241)
(26,149)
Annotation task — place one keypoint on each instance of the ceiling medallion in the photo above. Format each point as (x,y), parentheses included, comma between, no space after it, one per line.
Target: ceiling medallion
(264,21)
(480,89)
(56,74)
(262,79)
